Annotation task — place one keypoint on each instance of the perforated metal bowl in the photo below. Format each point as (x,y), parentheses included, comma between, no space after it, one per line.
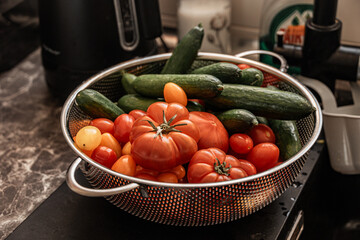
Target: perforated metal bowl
(185,204)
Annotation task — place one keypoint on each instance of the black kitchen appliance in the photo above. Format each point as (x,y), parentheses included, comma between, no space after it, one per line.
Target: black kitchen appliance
(82,37)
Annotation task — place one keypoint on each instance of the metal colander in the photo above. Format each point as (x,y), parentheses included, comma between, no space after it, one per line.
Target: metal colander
(184,204)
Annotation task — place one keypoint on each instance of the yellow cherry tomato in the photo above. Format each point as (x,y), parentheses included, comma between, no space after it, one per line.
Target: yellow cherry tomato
(174,93)
(88,138)
(110,141)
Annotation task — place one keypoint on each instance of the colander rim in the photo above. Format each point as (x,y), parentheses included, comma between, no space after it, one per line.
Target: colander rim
(201,56)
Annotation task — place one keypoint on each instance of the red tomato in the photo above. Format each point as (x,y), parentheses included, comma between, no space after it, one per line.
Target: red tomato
(122,128)
(103,124)
(243,66)
(146,176)
(173,93)
(262,133)
(248,167)
(140,170)
(198,101)
(241,143)
(136,113)
(213,165)
(125,165)
(212,131)
(264,156)
(164,138)
(104,155)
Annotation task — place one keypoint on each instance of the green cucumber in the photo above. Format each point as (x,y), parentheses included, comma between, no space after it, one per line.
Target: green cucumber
(193,106)
(262,120)
(194,85)
(96,105)
(126,81)
(237,120)
(264,102)
(231,73)
(185,52)
(131,102)
(287,137)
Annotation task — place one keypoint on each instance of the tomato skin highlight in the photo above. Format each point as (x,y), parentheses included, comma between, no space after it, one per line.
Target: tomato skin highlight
(103,124)
(262,133)
(176,144)
(122,127)
(213,165)
(173,93)
(212,131)
(109,140)
(264,156)
(241,143)
(104,155)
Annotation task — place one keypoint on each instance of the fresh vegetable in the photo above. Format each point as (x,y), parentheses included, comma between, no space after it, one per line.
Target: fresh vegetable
(262,120)
(237,120)
(241,143)
(185,52)
(212,131)
(264,156)
(125,165)
(231,73)
(96,105)
(104,155)
(194,85)
(122,127)
(213,165)
(110,141)
(103,124)
(173,175)
(137,113)
(262,133)
(88,138)
(243,66)
(248,167)
(126,149)
(276,104)
(131,102)
(193,106)
(126,81)
(164,138)
(287,137)
(174,93)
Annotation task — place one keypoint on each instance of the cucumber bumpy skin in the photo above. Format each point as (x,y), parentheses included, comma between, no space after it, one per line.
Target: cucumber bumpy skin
(185,52)
(275,104)
(231,73)
(195,85)
(96,105)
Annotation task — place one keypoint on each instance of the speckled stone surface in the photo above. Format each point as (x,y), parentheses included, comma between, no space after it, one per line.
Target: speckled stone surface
(33,153)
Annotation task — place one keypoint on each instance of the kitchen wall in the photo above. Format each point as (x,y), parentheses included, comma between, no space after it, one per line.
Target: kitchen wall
(246,15)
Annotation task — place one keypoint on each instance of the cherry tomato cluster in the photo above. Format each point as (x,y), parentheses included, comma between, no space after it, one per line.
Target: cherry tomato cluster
(168,143)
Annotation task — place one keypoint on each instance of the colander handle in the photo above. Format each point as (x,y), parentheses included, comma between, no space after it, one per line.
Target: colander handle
(90,192)
(283,63)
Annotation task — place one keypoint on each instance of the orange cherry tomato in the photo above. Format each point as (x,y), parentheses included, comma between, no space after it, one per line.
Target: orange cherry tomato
(179,171)
(140,170)
(174,93)
(146,176)
(167,177)
(125,165)
(87,153)
(126,150)
(103,124)
(110,141)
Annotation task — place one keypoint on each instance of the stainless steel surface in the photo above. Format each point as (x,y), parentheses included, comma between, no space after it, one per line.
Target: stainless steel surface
(190,204)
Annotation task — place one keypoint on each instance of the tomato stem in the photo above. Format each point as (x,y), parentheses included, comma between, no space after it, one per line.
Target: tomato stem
(165,128)
(221,168)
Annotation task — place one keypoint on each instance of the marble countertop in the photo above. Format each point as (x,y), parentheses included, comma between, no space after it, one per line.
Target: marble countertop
(33,153)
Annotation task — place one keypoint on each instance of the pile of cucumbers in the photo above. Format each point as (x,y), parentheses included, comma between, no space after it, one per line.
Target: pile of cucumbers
(235,96)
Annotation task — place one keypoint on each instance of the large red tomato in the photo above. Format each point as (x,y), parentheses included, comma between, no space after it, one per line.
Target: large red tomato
(212,131)
(164,138)
(213,165)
